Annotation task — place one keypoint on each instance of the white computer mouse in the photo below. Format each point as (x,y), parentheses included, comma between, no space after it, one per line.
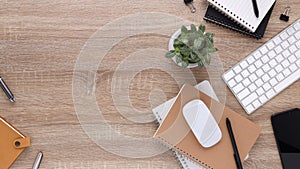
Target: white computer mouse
(202,123)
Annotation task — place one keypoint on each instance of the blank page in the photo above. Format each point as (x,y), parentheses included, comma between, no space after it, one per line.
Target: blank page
(242,11)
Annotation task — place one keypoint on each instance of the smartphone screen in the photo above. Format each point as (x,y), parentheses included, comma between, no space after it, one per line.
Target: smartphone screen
(286,126)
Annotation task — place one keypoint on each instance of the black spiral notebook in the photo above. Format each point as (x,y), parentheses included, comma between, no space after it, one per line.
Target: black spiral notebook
(217,17)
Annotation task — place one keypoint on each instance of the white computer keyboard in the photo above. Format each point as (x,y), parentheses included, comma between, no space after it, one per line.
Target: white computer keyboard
(267,71)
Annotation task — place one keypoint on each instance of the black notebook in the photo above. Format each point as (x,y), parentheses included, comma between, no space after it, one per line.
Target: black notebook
(215,16)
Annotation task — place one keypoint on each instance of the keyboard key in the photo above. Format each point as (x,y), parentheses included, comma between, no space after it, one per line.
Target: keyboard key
(278,68)
(293,49)
(292,59)
(252,68)
(287,81)
(270,93)
(276,40)
(285,63)
(252,87)
(272,73)
(297,35)
(290,30)
(250,109)
(271,54)
(284,35)
(298,63)
(263,50)
(245,73)
(231,83)
(280,77)
(230,74)
(253,77)
(256,104)
(286,72)
(273,82)
(237,69)
(297,26)
(265,59)
(258,64)
(250,59)
(259,72)
(298,44)
(286,53)
(244,64)
(291,39)
(273,63)
(266,68)
(263,99)
(279,58)
(238,88)
(249,99)
(270,45)
(285,44)
(266,78)
(257,54)
(246,82)
(260,91)
(238,78)
(243,93)
(297,54)
(278,49)
(293,67)
(267,86)
(259,82)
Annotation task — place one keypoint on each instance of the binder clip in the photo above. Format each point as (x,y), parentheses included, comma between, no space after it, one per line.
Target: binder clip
(12,144)
(285,15)
(190,4)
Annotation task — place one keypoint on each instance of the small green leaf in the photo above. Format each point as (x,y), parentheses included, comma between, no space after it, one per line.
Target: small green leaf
(193,28)
(211,50)
(200,64)
(184,29)
(178,58)
(170,54)
(202,28)
(184,63)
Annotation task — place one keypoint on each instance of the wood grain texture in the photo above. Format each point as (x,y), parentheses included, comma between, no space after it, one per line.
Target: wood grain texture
(40,43)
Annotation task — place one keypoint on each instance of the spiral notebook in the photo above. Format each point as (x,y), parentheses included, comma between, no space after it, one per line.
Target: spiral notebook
(175,132)
(241,11)
(215,16)
(161,111)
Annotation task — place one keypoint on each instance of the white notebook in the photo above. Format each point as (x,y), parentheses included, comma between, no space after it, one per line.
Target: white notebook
(161,111)
(242,11)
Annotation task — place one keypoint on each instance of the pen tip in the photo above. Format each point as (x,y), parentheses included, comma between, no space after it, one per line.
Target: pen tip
(12,100)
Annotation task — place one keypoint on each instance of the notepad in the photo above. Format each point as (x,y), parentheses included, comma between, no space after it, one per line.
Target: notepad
(242,11)
(221,155)
(161,111)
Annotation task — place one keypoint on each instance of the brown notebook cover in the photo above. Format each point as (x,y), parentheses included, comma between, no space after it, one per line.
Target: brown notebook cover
(175,131)
(12,144)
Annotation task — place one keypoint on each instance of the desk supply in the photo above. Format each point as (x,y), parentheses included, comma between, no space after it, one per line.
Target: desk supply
(161,111)
(255,8)
(6,90)
(215,16)
(202,123)
(38,160)
(190,4)
(240,12)
(236,154)
(267,71)
(175,131)
(12,144)
(285,15)
(286,126)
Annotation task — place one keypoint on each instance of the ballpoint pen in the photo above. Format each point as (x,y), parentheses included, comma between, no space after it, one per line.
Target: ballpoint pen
(6,90)
(234,146)
(255,8)
(37,161)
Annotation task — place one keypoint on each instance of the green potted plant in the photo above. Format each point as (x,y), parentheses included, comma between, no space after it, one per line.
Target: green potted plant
(191,47)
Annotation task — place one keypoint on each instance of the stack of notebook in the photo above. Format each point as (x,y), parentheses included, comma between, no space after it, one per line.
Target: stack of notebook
(188,150)
(240,16)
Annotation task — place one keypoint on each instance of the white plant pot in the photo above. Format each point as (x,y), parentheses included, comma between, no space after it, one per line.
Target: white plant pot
(171,47)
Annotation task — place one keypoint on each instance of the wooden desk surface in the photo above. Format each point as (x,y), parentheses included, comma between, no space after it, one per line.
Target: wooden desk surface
(40,43)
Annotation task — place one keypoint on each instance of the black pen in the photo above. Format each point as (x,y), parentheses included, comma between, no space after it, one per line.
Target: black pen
(6,90)
(256,12)
(235,149)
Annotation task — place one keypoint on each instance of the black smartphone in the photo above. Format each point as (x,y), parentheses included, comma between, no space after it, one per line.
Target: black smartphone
(286,127)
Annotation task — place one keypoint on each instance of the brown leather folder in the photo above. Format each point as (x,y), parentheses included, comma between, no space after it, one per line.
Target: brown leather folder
(12,144)
(175,131)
